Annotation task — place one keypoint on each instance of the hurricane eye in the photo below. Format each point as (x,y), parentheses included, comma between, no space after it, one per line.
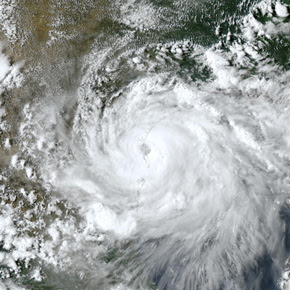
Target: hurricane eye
(145,150)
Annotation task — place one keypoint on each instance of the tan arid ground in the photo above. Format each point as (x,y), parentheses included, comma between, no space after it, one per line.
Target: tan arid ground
(51,37)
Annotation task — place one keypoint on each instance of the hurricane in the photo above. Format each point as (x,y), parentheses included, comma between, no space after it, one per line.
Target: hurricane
(145,145)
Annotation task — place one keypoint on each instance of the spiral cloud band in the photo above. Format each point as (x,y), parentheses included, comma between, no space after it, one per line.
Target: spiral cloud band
(165,163)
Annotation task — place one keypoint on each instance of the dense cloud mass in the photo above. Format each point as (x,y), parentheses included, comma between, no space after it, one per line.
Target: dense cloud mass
(149,150)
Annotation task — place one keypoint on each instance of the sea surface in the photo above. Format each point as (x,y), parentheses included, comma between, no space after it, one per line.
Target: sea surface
(145,144)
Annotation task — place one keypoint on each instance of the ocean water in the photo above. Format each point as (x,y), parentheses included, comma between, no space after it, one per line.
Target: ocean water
(145,144)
